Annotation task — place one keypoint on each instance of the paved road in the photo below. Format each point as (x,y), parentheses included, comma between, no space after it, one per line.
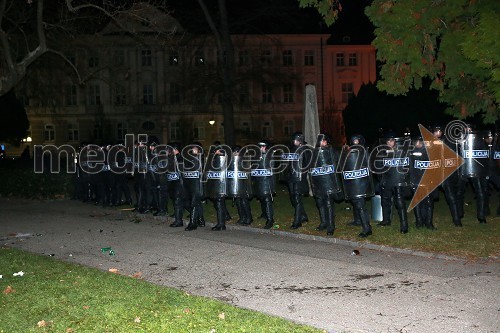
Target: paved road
(308,281)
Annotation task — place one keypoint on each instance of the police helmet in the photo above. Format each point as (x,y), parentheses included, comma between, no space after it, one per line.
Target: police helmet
(357,137)
(299,136)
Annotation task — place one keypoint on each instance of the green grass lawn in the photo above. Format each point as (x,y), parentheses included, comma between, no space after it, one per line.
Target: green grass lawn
(54,296)
(473,241)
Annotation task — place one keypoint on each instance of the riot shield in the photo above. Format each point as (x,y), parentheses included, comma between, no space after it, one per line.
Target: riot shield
(323,174)
(476,155)
(356,177)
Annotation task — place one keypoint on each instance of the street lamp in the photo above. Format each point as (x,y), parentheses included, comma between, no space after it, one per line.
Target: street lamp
(211,121)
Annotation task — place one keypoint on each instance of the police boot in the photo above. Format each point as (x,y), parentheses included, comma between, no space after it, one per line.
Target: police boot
(403,220)
(162,206)
(419,219)
(299,211)
(269,211)
(386,213)
(323,224)
(330,216)
(178,216)
(429,215)
(455,215)
(239,209)
(365,223)
(193,220)
(221,215)
(247,211)
(263,209)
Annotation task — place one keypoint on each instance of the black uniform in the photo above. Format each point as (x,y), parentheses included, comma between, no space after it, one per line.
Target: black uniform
(394,180)
(175,184)
(239,185)
(298,163)
(264,182)
(324,182)
(419,162)
(192,173)
(357,180)
(216,183)
(476,154)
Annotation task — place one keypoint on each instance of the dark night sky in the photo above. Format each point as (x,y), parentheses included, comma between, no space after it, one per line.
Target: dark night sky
(278,16)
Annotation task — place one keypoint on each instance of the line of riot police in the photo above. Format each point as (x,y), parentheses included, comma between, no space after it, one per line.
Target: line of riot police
(394,169)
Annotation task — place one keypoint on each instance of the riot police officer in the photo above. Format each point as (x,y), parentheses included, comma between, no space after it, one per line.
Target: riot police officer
(419,162)
(450,185)
(264,182)
(239,184)
(393,178)
(216,182)
(475,152)
(324,182)
(298,163)
(192,172)
(357,180)
(175,183)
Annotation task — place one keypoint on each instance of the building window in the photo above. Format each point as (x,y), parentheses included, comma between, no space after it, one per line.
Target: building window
(199,58)
(245,127)
(148,126)
(70,95)
(267,130)
(347,91)
(119,57)
(353,59)
(49,133)
(175,131)
(93,62)
(146,57)
(309,58)
(120,95)
(287,93)
(147,94)
(73,133)
(175,93)
(244,58)
(340,59)
(198,130)
(267,95)
(288,127)
(121,131)
(287,58)
(94,94)
(244,96)
(224,58)
(98,132)
(173,59)
(265,57)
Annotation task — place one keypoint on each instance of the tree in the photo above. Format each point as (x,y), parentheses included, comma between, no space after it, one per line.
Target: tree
(453,43)
(14,122)
(329,9)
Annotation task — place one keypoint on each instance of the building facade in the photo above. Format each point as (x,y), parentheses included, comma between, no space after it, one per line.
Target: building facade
(160,80)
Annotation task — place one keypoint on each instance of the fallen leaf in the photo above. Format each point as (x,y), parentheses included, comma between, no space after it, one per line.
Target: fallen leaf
(42,323)
(137,275)
(69,330)
(222,316)
(137,320)
(186,310)
(9,290)
(113,270)
(86,307)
